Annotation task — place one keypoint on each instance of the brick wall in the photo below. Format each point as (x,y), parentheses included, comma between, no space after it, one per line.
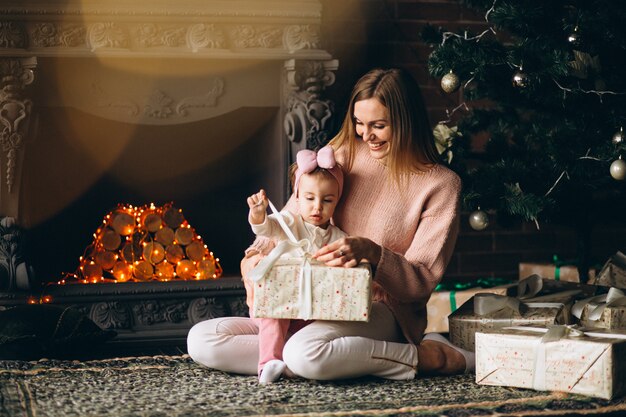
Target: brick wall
(364,34)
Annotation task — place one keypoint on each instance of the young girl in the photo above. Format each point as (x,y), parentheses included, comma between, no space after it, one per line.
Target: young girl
(317,182)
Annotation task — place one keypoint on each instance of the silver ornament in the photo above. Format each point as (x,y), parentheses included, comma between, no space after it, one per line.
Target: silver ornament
(618,137)
(618,169)
(450,82)
(479,220)
(521,79)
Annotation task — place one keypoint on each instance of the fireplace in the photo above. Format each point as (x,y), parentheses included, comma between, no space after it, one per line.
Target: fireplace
(190,103)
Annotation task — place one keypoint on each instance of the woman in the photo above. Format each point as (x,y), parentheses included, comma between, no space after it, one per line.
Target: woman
(400,210)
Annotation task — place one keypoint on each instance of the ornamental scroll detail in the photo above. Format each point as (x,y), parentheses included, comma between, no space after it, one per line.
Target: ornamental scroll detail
(309,117)
(142,37)
(15,110)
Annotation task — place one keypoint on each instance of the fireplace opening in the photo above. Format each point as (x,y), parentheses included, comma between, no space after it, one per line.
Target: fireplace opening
(206,168)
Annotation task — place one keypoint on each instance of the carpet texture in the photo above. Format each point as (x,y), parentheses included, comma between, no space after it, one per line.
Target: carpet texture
(175,386)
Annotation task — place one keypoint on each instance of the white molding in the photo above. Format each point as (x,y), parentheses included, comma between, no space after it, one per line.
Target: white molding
(186,28)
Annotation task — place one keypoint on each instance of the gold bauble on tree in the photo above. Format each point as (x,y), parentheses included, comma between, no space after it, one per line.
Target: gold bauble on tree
(618,169)
(450,82)
(479,220)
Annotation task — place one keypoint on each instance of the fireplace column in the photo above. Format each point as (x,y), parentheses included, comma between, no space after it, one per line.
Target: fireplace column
(15,117)
(309,117)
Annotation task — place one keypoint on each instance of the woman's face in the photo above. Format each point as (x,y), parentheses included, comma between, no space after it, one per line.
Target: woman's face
(373,126)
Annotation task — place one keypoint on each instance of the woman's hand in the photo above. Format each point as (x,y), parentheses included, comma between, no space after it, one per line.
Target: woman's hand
(258,207)
(349,251)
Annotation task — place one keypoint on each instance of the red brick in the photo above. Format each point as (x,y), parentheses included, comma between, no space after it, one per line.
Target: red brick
(429,11)
(434,96)
(505,241)
(473,15)
(383,30)
(475,242)
(496,263)
(411,30)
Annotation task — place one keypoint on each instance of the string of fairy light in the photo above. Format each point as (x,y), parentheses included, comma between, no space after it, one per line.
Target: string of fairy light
(450,83)
(146,243)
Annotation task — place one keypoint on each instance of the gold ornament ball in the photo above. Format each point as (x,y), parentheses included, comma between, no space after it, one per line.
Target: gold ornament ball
(450,82)
(479,220)
(618,137)
(618,169)
(520,79)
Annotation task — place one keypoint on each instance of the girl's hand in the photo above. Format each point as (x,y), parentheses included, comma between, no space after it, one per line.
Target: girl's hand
(258,207)
(349,251)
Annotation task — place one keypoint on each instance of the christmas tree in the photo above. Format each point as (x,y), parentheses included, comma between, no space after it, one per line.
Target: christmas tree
(545,83)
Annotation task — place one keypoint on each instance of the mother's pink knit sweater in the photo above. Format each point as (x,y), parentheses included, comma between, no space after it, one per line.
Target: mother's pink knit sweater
(416,226)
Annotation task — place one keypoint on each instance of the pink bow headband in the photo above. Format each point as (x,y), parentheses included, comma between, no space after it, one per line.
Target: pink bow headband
(308,160)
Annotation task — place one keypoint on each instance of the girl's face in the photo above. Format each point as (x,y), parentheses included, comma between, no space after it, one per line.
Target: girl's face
(373,126)
(317,199)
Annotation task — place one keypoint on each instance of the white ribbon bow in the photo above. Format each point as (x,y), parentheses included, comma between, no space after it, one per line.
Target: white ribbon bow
(597,304)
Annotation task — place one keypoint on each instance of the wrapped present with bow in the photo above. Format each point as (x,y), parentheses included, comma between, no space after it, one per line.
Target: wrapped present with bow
(553,358)
(538,302)
(558,270)
(607,311)
(448,297)
(304,288)
(613,273)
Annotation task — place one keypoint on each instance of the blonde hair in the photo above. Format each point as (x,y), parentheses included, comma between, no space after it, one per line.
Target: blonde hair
(412,143)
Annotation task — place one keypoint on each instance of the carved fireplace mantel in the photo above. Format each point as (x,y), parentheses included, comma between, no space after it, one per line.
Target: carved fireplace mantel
(71,69)
(149,63)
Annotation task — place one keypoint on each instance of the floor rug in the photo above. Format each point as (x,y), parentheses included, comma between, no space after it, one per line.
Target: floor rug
(175,386)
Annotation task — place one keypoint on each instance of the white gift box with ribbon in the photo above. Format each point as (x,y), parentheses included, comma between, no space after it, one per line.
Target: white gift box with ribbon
(304,288)
(553,358)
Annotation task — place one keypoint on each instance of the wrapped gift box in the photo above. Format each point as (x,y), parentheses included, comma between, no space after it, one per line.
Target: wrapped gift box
(539,311)
(442,303)
(606,311)
(613,273)
(611,318)
(567,273)
(335,293)
(593,364)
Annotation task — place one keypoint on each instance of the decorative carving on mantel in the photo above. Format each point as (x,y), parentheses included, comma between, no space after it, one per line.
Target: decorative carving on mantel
(205,308)
(108,35)
(308,120)
(153,311)
(128,38)
(15,273)
(15,111)
(157,105)
(111,315)
(12,35)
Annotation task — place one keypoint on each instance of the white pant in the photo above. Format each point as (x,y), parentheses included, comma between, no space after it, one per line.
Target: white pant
(322,350)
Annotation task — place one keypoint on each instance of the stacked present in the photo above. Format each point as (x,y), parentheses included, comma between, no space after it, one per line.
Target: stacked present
(613,273)
(448,297)
(587,358)
(557,270)
(534,301)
